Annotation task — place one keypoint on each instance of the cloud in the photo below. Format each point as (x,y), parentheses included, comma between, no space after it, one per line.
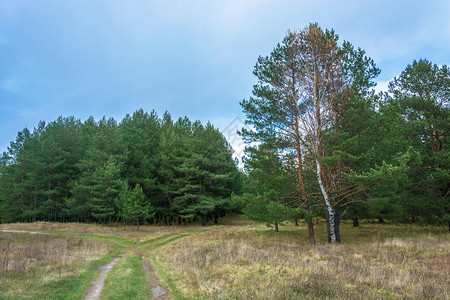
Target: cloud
(382,86)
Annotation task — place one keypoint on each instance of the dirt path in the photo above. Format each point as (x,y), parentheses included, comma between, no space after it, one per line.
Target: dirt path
(156,290)
(29,232)
(97,284)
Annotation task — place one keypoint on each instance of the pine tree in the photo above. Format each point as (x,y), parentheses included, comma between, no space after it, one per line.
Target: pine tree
(140,137)
(419,101)
(137,207)
(105,190)
(122,199)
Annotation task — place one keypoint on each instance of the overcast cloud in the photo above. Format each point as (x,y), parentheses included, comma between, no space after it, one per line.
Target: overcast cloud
(192,58)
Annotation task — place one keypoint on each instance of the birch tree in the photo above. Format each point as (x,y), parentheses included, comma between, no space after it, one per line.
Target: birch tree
(302,92)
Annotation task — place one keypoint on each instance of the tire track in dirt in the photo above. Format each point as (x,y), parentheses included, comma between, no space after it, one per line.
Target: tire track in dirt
(157,291)
(97,284)
(29,232)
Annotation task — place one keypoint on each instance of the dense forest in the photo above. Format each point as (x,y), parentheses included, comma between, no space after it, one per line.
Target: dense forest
(326,146)
(144,168)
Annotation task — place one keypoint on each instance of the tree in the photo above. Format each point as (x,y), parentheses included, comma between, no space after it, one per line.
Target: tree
(140,137)
(274,113)
(121,201)
(105,190)
(270,190)
(68,170)
(303,89)
(419,99)
(99,142)
(137,207)
(204,172)
(13,189)
(263,209)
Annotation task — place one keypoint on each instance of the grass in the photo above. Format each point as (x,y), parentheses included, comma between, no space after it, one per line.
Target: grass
(375,262)
(238,259)
(126,280)
(169,279)
(45,266)
(60,263)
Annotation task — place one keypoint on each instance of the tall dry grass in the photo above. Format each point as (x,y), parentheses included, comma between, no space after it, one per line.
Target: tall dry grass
(20,252)
(32,263)
(258,264)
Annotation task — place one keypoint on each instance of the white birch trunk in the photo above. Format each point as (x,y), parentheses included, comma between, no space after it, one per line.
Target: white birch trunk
(327,203)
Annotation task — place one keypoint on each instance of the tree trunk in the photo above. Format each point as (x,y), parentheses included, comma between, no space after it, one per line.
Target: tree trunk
(312,238)
(296,222)
(215,219)
(276,226)
(381,220)
(327,217)
(203,220)
(355,222)
(137,225)
(337,224)
(331,214)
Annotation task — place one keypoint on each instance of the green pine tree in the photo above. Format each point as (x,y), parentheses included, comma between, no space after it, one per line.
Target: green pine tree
(137,207)
(105,190)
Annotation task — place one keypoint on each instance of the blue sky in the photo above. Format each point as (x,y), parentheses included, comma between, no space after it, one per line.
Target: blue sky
(191,58)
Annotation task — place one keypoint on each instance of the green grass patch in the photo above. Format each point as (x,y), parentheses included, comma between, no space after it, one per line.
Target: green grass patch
(71,287)
(126,280)
(169,280)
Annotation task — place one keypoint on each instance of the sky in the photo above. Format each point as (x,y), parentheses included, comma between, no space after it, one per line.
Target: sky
(192,58)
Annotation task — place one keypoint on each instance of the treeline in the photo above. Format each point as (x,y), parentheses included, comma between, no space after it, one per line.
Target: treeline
(328,146)
(144,168)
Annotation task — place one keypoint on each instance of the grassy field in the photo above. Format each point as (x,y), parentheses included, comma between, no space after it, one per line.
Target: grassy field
(238,259)
(40,266)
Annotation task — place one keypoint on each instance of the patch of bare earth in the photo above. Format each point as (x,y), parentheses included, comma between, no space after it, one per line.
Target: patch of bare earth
(97,284)
(156,289)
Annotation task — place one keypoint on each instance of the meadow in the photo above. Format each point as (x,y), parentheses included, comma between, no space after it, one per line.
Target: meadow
(236,259)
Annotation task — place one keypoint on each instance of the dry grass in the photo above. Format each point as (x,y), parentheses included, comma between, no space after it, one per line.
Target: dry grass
(240,259)
(30,261)
(19,252)
(254,263)
(145,232)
